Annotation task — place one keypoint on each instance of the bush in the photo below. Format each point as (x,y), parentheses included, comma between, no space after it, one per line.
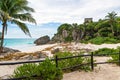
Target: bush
(49,70)
(45,71)
(73,61)
(106,51)
(115,57)
(101,40)
(68,39)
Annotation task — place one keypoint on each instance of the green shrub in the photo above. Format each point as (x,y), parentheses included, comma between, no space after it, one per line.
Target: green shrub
(68,39)
(115,57)
(73,61)
(49,70)
(101,40)
(45,71)
(25,70)
(106,51)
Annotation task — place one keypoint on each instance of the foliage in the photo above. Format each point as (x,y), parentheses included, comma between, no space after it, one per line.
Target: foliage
(45,71)
(115,57)
(17,12)
(25,70)
(49,70)
(112,20)
(106,51)
(113,53)
(103,31)
(101,40)
(64,27)
(68,39)
(73,61)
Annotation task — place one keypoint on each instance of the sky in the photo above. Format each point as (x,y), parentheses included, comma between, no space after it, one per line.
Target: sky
(50,14)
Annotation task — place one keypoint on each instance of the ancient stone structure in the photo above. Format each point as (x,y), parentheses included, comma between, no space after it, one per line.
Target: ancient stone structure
(88,20)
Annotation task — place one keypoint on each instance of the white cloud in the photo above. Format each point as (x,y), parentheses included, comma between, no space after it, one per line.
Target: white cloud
(71,10)
(63,11)
(35,30)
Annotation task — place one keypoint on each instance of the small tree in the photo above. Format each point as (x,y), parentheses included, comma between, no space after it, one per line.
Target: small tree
(112,20)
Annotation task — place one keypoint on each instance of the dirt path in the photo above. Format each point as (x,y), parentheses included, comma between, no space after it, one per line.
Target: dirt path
(101,72)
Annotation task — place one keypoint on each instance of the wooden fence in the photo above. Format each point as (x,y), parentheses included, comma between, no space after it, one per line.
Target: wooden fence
(56,59)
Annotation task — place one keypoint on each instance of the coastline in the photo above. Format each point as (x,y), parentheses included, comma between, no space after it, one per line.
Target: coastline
(36,48)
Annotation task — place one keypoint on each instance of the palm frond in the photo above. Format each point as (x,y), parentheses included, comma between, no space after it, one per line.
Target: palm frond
(26,8)
(20,6)
(22,26)
(25,17)
(16,11)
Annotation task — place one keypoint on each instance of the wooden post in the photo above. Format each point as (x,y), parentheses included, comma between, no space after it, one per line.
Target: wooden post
(56,60)
(119,57)
(92,62)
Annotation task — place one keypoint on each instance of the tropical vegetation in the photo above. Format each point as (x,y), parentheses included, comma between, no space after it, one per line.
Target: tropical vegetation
(68,64)
(15,11)
(46,70)
(113,54)
(106,51)
(116,57)
(105,30)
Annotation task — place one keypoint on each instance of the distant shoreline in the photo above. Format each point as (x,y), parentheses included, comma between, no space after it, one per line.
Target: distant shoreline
(18,42)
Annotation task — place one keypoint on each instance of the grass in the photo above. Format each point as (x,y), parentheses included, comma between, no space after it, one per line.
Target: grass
(106,51)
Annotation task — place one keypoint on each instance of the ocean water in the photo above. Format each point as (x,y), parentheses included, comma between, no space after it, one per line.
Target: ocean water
(19,42)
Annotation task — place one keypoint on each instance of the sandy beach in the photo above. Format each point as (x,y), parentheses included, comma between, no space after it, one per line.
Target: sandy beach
(8,70)
(36,48)
(74,45)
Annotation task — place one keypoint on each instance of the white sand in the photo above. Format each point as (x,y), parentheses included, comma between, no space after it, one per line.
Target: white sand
(78,45)
(35,48)
(95,47)
(101,72)
(7,70)
(106,72)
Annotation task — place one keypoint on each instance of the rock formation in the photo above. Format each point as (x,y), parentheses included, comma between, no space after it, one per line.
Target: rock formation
(42,40)
(9,50)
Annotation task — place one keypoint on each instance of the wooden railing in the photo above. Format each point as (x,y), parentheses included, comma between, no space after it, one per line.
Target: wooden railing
(56,59)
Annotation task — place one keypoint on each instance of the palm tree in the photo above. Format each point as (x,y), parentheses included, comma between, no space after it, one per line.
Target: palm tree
(112,19)
(15,11)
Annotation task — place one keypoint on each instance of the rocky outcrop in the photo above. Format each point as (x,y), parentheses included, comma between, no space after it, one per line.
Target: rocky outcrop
(53,51)
(64,33)
(42,40)
(9,50)
(57,38)
(23,56)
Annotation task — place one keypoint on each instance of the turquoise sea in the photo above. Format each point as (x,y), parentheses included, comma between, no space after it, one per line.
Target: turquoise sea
(18,42)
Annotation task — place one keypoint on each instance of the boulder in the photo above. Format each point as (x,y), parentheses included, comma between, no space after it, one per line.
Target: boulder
(53,51)
(9,50)
(57,38)
(40,54)
(42,40)
(27,57)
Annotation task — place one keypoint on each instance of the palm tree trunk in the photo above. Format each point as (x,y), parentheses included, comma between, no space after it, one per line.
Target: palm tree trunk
(112,30)
(2,38)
